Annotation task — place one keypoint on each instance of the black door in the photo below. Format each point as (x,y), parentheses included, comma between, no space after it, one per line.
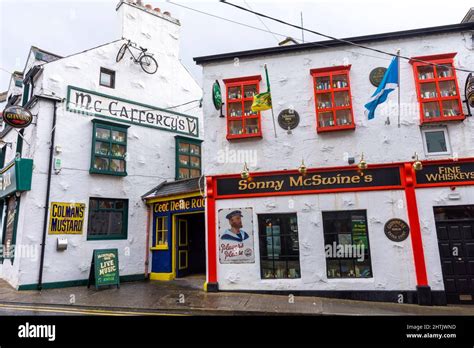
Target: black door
(455,229)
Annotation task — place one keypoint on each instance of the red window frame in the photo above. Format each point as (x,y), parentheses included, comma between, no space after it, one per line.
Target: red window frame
(426,79)
(329,73)
(242,82)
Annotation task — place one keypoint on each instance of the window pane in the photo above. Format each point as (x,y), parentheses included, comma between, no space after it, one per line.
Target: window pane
(431,109)
(118,150)
(102,133)
(234,93)
(343,117)
(183,147)
(436,141)
(106,204)
(101,163)
(326,119)
(195,173)
(235,127)
(428,90)
(117,165)
(102,148)
(425,72)
(342,98)
(334,269)
(107,217)
(183,173)
(235,109)
(251,126)
(248,109)
(444,70)
(195,149)
(183,160)
(118,136)
(324,100)
(105,79)
(339,81)
(195,162)
(447,88)
(250,91)
(322,83)
(451,108)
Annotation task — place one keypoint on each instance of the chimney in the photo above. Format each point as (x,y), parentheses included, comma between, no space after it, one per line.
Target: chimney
(148,27)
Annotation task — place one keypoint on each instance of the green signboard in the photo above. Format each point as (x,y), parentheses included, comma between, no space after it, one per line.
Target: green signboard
(16,176)
(104,268)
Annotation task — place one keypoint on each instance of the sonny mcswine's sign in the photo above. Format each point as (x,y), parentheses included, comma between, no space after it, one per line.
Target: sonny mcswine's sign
(113,108)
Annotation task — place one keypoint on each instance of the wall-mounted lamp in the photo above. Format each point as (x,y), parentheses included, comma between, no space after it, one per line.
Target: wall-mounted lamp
(245,174)
(417,165)
(362,165)
(302,169)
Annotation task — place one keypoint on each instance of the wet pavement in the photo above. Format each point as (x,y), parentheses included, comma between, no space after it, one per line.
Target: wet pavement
(186,296)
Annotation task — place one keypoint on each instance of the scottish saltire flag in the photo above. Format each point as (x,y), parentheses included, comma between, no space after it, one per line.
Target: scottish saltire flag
(388,84)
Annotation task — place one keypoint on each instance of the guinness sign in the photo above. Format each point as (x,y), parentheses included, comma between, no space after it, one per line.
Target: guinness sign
(17,117)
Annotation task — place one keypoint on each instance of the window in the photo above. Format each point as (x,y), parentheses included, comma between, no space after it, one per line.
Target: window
(188,158)
(436,141)
(242,122)
(9,227)
(107,78)
(279,246)
(347,244)
(109,148)
(161,228)
(437,88)
(26,93)
(107,218)
(332,95)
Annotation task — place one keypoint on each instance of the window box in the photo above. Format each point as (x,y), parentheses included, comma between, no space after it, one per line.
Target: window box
(333,99)
(108,219)
(188,158)
(437,88)
(242,122)
(109,148)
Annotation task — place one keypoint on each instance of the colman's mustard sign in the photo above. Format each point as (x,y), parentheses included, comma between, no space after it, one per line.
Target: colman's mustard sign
(66,218)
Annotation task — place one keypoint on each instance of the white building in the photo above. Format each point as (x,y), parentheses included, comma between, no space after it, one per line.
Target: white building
(294,222)
(103,133)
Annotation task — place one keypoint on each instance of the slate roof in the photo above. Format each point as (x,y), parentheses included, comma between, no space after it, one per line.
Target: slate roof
(174,188)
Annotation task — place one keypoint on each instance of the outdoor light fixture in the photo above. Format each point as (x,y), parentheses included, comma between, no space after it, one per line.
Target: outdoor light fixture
(245,174)
(362,165)
(302,169)
(417,165)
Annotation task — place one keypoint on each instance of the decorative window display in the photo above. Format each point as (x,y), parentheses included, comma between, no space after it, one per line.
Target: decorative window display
(332,95)
(188,158)
(109,148)
(107,218)
(437,88)
(347,244)
(236,236)
(279,246)
(242,122)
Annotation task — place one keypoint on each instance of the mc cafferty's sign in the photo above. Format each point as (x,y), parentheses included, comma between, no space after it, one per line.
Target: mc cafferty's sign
(101,105)
(325,180)
(179,204)
(66,218)
(454,172)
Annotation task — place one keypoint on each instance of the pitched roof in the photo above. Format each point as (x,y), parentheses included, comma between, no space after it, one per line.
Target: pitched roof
(335,43)
(173,188)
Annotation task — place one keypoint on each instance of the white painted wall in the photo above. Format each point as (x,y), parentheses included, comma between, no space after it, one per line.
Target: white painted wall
(151,153)
(392,262)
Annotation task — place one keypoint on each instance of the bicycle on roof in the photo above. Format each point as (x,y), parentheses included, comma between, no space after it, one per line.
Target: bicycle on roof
(146,60)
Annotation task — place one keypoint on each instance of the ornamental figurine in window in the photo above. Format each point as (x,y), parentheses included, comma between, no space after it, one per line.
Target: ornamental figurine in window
(235,232)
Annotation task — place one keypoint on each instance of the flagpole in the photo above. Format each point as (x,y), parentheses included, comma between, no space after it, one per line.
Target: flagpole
(268,90)
(398,62)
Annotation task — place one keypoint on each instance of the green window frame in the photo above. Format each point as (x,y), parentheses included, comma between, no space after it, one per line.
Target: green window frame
(109,148)
(188,158)
(26,94)
(108,219)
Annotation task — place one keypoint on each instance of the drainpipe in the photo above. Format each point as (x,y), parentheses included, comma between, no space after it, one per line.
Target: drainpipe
(147,252)
(48,189)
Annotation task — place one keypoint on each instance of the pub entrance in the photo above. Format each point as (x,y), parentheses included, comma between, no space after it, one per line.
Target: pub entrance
(190,244)
(455,230)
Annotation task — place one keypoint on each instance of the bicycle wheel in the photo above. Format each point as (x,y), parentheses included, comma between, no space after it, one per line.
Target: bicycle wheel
(121,53)
(148,64)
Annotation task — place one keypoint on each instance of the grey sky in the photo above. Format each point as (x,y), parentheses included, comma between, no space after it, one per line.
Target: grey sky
(66,27)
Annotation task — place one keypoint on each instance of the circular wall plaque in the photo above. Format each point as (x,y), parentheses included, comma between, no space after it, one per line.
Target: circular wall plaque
(376,75)
(288,119)
(396,230)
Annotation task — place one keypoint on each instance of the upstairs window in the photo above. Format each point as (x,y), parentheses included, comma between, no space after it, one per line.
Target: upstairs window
(437,88)
(188,158)
(109,148)
(107,78)
(242,122)
(332,95)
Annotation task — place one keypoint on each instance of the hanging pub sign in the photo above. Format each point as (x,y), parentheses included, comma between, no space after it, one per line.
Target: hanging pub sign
(376,76)
(217,95)
(333,180)
(105,106)
(17,116)
(16,176)
(469,90)
(104,268)
(448,173)
(66,218)
(236,236)
(396,230)
(288,119)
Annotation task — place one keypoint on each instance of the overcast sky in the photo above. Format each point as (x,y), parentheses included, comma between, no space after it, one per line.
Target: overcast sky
(66,27)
